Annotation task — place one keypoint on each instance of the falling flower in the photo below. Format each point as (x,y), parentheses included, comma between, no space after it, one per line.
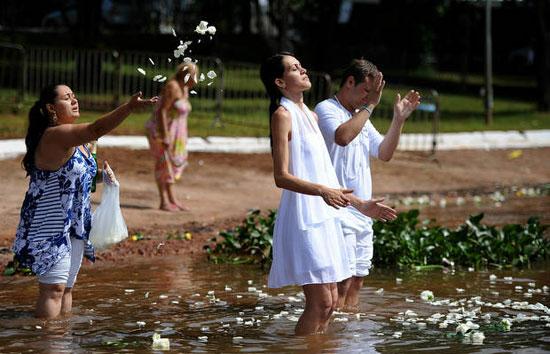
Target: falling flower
(201,77)
(210,83)
(141,71)
(169,60)
(202,27)
(174,32)
(157,77)
(162,79)
(151,61)
(182,47)
(211,74)
(193,92)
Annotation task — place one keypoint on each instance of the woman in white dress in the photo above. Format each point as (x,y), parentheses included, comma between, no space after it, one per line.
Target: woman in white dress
(308,244)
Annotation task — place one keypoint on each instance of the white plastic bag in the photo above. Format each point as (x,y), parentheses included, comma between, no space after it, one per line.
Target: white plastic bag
(108,226)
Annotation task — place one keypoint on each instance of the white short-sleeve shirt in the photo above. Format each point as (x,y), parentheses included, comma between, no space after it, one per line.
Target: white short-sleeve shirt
(351,162)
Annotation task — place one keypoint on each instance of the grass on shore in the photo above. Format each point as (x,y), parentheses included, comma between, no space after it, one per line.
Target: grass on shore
(248,117)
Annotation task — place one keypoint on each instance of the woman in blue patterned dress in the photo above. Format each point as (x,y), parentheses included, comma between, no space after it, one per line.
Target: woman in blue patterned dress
(56,217)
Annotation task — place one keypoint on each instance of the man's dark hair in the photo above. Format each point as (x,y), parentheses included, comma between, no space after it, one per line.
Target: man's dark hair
(359,69)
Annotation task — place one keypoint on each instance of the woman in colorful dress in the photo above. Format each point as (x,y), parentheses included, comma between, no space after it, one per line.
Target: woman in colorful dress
(54,228)
(167,134)
(308,244)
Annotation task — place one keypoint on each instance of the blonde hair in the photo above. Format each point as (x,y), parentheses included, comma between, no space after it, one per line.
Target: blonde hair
(184,69)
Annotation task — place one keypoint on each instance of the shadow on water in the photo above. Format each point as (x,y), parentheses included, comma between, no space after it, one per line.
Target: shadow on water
(202,307)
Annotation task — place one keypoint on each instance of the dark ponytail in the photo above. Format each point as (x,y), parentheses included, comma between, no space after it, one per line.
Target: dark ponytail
(39,121)
(273,68)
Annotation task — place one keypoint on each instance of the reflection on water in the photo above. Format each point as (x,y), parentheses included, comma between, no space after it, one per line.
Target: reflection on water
(212,308)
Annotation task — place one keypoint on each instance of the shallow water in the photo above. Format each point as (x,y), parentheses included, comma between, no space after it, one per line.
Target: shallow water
(172,298)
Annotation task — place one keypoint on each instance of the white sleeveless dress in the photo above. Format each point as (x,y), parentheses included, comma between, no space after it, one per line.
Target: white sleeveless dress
(308,244)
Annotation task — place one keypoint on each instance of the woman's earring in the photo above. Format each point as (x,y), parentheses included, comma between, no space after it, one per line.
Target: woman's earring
(53,118)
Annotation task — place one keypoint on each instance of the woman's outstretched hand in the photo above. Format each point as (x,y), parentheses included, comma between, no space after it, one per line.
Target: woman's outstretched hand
(376,210)
(336,198)
(137,101)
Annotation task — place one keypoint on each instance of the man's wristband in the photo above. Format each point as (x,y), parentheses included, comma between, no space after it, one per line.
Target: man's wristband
(364,107)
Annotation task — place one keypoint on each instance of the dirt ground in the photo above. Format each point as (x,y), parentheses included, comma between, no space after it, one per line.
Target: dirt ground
(220,188)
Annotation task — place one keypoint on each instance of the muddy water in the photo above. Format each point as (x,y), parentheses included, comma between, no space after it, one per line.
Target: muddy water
(206,308)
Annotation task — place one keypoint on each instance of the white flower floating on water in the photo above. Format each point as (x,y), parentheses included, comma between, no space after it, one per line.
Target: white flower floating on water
(203,339)
(477,337)
(506,324)
(140,323)
(492,277)
(427,295)
(141,71)
(160,343)
(380,291)
(211,74)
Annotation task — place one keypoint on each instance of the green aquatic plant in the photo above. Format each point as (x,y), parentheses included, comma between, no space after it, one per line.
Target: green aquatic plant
(404,242)
(249,242)
(408,242)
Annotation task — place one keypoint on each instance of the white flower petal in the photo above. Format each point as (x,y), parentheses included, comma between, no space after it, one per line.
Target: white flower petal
(151,61)
(211,30)
(141,71)
(211,74)
(202,27)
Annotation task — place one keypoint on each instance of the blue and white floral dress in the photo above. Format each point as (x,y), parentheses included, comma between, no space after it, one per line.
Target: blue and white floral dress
(56,208)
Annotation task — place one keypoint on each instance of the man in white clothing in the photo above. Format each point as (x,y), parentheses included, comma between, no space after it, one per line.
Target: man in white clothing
(351,139)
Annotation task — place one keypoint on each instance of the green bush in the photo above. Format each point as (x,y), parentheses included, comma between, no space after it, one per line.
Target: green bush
(404,243)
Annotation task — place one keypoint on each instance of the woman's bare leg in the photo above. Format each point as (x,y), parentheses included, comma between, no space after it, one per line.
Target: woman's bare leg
(49,300)
(173,199)
(67,301)
(320,302)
